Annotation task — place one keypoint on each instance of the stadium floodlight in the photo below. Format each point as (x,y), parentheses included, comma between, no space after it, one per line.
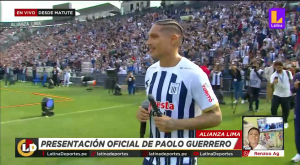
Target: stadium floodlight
(47,106)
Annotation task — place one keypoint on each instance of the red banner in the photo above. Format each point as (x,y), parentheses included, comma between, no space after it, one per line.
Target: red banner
(222,134)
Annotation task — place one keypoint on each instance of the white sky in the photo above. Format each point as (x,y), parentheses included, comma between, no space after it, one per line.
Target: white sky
(7,8)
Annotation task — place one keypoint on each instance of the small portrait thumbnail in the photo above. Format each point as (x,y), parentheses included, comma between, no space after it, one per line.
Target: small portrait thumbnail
(263,133)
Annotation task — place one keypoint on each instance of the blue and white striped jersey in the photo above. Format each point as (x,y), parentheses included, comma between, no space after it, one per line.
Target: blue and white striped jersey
(181,92)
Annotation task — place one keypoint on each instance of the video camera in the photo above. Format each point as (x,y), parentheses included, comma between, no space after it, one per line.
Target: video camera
(88,81)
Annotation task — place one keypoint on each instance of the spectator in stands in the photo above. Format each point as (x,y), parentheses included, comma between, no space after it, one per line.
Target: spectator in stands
(205,69)
(217,82)
(210,32)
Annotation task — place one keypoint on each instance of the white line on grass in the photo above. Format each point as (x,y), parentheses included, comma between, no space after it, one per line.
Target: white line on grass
(63,114)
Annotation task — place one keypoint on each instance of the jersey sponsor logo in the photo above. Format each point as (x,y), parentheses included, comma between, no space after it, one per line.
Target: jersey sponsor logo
(165,105)
(174,88)
(205,88)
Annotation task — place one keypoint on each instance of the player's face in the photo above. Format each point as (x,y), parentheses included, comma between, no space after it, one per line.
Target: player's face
(253,136)
(158,42)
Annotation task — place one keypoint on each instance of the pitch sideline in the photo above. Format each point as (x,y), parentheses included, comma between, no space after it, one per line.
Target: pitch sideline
(63,114)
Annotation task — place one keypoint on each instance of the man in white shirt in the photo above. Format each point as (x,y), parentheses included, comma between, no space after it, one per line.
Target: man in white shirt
(256,77)
(59,73)
(280,80)
(67,76)
(253,138)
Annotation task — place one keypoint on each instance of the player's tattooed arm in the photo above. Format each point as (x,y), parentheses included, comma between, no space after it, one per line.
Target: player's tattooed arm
(211,117)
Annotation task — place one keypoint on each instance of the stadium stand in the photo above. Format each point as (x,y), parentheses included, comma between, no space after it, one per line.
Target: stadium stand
(214,33)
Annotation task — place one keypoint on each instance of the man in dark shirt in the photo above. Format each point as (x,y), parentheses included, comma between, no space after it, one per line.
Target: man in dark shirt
(8,74)
(55,77)
(34,72)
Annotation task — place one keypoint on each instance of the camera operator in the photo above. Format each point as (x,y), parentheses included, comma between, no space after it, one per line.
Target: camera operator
(280,81)
(256,77)
(130,83)
(217,83)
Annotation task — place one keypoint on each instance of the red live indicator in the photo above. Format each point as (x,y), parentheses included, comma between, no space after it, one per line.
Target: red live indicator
(26,12)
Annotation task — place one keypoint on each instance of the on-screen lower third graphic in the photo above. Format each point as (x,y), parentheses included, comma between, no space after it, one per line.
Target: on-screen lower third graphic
(277,18)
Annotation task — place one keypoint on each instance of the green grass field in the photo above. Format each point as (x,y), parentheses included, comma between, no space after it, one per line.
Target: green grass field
(97,114)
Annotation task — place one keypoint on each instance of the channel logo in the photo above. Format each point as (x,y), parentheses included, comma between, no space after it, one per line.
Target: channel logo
(277,18)
(26,147)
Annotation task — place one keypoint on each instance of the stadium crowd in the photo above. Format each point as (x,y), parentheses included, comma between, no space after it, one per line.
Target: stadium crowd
(213,34)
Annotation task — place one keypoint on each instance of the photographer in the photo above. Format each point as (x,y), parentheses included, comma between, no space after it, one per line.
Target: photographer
(130,83)
(256,77)
(280,81)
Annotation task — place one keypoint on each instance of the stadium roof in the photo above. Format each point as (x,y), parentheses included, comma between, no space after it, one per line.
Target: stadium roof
(106,7)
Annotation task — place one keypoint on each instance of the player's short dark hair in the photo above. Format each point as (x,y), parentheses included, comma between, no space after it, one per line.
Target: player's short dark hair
(171,24)
(254,128)
(278,63)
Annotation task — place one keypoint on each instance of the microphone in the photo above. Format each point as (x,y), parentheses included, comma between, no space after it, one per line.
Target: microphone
(145,105)
(154,106)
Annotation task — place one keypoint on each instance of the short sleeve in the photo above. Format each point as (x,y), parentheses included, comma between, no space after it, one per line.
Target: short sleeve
(290,75)
(272,78)
(203,93)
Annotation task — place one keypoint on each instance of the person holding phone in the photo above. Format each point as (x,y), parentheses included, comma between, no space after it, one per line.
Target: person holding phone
(256,77)
(130,82)
(237,82)
(280,82)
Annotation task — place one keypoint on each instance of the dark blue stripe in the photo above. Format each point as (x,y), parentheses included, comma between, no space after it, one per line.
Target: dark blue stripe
(169,113)
(192,115)
(181,161)
(181,105)
(151,160)
(192,132)
(158,93)
(152,82)
(178,161)
(150,92)
(170,100)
